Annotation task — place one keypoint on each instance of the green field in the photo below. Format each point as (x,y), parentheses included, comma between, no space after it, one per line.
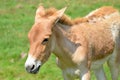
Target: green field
(16,19)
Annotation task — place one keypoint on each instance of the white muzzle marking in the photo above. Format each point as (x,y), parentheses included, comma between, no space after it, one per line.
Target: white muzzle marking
(32,65)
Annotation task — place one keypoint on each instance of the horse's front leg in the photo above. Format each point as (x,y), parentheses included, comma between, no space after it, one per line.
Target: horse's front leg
(67,76)
(85,74)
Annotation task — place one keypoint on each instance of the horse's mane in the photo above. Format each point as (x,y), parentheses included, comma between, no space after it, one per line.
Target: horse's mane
(101,12)
(65,19)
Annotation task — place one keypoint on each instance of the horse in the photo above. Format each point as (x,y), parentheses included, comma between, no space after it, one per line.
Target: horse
(80,45)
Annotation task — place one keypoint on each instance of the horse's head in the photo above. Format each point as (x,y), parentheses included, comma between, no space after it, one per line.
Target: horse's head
(40,38)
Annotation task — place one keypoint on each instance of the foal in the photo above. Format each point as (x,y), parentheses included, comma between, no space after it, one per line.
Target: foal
(80,45)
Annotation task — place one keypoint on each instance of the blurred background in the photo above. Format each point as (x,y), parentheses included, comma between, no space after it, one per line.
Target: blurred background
(16,19)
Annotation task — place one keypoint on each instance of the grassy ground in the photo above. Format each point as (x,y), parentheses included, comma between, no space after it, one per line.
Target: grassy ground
(17,17)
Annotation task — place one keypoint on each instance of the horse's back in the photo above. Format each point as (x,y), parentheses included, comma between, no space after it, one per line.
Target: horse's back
(99,35)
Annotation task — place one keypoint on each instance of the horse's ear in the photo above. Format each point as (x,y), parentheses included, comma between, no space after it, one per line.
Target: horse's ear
(40,12)
(59,14)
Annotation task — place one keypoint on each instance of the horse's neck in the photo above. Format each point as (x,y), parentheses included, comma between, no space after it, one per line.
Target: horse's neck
(63,47)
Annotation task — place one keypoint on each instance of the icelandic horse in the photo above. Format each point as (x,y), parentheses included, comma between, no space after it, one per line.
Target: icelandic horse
(80,45)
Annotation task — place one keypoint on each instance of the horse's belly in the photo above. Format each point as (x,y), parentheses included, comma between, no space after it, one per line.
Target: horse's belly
(98,63)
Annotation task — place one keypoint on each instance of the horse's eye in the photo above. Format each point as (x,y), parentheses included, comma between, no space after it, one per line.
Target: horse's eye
(45,41)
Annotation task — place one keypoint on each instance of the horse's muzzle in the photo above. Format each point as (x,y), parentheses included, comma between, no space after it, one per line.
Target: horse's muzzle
(32,65)
(32,69)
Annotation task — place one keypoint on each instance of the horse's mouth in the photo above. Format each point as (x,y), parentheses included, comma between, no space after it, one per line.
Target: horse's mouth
(34,71)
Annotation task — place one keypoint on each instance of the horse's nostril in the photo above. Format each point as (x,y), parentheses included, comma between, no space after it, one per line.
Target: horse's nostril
(32,67)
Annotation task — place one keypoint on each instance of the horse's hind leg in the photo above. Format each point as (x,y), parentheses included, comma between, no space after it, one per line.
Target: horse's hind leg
(114,61)
(99,73)
(114,66)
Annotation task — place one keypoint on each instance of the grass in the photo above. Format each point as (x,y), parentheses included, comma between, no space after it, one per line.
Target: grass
(16,19)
